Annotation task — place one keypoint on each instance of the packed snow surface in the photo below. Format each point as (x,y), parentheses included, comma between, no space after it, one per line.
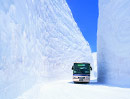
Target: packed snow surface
(68,90)
(113,42)
(39,40)
(94,55)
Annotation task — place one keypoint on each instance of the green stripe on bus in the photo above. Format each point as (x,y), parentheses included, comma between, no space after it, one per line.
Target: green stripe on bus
(81,64)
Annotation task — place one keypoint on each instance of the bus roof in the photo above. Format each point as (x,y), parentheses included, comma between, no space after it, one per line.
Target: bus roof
(82,63)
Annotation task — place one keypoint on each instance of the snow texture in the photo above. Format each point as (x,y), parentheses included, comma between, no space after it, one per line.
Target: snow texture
(113,42)
(39,40)
(75,91)
(94,55)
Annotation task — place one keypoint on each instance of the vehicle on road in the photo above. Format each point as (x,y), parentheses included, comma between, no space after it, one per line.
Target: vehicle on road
(81,72)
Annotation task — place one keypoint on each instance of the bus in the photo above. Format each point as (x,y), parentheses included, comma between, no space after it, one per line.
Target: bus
(81,72)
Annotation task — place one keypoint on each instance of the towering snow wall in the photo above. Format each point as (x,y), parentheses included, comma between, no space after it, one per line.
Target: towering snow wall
(94,55)
(39,39)
(114,42)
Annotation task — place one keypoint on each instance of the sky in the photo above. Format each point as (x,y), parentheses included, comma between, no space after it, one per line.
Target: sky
(85,13)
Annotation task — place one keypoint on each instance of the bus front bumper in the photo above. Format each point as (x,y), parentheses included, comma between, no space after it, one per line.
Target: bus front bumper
(81,78)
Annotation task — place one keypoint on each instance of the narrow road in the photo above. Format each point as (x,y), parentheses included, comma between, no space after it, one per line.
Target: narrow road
(68,90)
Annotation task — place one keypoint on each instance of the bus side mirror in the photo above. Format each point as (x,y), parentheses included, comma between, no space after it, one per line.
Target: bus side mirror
(90,68)
(72,67)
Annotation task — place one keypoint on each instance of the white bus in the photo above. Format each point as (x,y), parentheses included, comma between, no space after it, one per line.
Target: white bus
(81,72)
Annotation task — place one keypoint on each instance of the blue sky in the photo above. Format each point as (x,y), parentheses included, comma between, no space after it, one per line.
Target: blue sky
(85,13)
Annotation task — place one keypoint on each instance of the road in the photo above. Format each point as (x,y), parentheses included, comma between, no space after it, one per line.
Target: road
(66,89)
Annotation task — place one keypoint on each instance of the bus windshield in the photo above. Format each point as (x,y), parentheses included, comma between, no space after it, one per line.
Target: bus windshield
(81,68)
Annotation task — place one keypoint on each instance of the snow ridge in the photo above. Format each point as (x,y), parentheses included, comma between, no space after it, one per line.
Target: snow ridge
(113,42)
(39,40)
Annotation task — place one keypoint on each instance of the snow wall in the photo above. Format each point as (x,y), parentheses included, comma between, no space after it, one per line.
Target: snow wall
(113,42)
(39,40)
(94,55)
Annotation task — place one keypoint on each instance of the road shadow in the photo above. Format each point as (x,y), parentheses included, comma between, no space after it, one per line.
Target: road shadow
(99,84)
(84,83)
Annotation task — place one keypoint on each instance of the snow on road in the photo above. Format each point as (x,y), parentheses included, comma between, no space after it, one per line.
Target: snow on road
(68,90)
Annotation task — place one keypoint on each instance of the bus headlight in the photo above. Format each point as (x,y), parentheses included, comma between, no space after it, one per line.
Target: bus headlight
(75,77)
